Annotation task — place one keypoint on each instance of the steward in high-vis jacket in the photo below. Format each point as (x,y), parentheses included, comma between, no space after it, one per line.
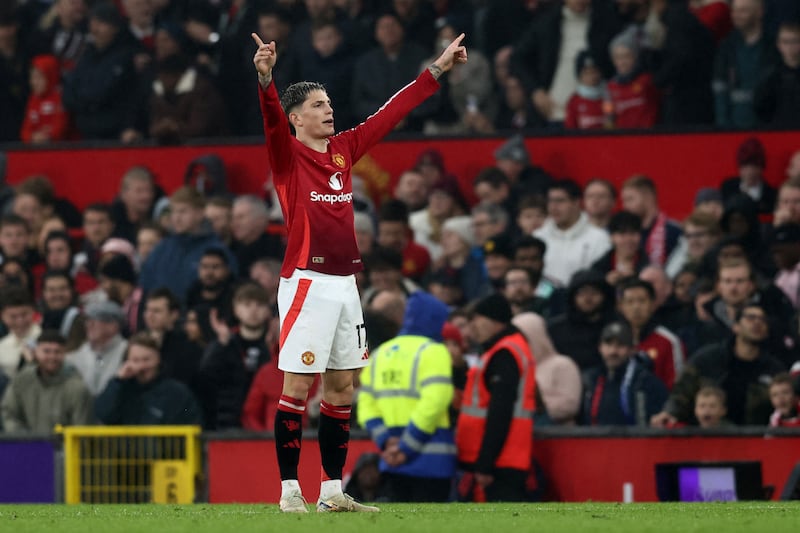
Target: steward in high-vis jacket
(495,428)
(404,398)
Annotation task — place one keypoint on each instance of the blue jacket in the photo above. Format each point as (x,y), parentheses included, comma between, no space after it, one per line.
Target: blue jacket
(173,262)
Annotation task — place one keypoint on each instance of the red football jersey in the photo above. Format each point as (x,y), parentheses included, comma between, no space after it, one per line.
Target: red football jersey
(584,114)
(635,104)
(315,189)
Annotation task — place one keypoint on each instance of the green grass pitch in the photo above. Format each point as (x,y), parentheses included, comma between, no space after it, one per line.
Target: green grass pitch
(770,517)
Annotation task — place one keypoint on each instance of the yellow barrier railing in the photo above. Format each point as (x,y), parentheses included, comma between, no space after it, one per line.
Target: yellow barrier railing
(131,464)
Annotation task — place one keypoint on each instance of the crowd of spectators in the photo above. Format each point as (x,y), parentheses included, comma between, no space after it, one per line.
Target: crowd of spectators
(162,309)
(173,70)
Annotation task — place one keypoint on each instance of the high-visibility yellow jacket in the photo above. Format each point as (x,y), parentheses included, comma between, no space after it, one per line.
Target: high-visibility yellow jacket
(405,392)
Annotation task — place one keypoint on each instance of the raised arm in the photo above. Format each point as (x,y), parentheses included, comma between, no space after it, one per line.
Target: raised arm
(264,60)
(454,53)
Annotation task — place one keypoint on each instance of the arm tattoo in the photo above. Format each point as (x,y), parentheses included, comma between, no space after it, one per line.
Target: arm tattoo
(264,80)
(435,71)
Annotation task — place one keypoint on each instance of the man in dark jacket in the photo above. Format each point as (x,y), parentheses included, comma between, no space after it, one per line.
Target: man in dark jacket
(212,290)
(739,365)
(777,98)
(139,395)
(736,288)
(622,391)
(180,357)
(101,92)
(590,305)
(684,66)
(14,60)
(742,59)
(231,362)
(494,433)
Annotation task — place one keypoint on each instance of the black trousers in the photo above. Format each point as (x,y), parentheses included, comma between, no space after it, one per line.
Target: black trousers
(416,489)
(508,486)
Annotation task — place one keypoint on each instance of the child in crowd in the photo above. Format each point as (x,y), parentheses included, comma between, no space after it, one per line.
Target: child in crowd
(45,117)
(633,97)
(710,407)
(585,107)
(785,400)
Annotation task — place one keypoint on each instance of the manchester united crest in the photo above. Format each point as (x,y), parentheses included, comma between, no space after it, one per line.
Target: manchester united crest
(307,358)
(338,160)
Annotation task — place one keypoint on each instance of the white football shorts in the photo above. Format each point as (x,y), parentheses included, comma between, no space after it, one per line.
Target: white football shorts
(322,325)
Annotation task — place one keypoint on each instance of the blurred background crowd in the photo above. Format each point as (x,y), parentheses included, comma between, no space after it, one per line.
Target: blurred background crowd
(161,308)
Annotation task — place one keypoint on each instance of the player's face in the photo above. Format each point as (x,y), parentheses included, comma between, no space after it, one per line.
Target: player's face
(315,116)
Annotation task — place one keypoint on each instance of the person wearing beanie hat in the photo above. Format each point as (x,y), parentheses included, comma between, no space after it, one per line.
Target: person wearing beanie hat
(633,99)
(751,159)
(118,280)
(585,109)
(495,426)
(408,427)
(459,257)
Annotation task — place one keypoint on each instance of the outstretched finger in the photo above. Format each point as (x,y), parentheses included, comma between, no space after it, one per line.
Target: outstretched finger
(257,39)
(457,40)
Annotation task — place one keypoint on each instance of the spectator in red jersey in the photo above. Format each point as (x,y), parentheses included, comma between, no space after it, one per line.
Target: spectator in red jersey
(585,107)
(45,117)
(633,96)
(784,399)
(714,15)
(637,304)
